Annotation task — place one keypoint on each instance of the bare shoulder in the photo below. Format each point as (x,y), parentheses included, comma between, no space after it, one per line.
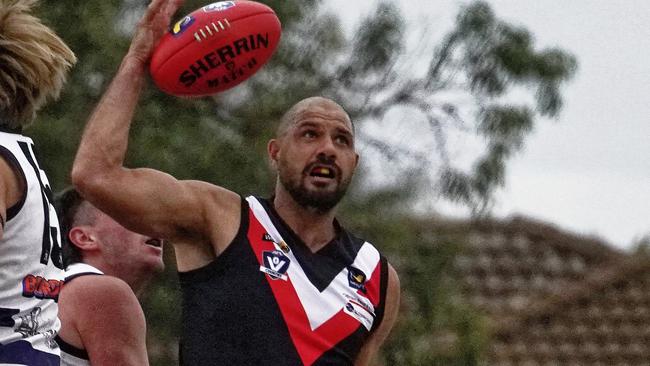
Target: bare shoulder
(107,318)
(392,301)
(10,186)
(393,282)
(221,213)
(213,196)
(95,292)
(99,283)
(85,300)
(206,207)
(219,201)
(6,171)
(6,180)
(94,303)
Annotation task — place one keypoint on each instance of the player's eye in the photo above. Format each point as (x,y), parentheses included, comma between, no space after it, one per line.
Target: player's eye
(343,140)
(310,134)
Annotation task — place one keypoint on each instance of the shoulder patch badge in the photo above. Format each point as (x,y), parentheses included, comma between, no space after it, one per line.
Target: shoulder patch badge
(357,279)
(275,265)
(267,237)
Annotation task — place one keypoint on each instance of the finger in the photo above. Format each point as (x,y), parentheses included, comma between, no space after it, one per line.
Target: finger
(172,7)
(158,14)
(169,9)
(154,8)
(156,5)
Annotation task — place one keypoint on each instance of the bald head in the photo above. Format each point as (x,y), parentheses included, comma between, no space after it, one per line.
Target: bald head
(317,105)
(314,154)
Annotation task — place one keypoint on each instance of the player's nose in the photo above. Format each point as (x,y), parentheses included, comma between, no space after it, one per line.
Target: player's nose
(327,148)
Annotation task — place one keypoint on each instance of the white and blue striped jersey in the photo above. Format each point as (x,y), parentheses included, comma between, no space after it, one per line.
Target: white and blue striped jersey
(31,270)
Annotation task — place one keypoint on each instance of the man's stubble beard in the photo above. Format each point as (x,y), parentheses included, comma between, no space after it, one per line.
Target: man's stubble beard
(321,201)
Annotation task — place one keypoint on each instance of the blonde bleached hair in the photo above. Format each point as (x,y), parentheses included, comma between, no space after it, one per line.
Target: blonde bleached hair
(34,63)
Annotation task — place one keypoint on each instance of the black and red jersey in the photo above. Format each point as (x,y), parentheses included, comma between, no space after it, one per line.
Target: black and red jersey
(268,300)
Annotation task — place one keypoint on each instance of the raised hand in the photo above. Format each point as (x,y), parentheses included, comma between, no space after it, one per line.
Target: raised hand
(152,26)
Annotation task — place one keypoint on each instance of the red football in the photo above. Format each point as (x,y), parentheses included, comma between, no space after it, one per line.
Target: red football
(215,48)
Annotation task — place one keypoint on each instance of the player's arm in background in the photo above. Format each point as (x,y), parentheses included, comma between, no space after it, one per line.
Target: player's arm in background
(377,338)
(145,200)
(11,190)
(106,320)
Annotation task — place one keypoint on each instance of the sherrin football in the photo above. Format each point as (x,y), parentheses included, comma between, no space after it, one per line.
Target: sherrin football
(215,48)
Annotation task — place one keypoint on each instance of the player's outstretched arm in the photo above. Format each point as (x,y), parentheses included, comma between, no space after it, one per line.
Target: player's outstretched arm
(143,200)
(104,315)
(377,338)
(98,171)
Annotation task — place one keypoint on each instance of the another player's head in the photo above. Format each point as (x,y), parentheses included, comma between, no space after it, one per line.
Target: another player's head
(314,153)
(34,63)
(90,236)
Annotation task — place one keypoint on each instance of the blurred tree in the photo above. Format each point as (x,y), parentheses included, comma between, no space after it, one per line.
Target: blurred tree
(436,326)
(463,89)
(466,89)
(641,246)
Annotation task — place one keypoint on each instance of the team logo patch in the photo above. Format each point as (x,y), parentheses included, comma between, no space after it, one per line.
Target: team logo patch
(220,6)
(357,279)
(41,288)
(267,237)
(182,25)
(275,265)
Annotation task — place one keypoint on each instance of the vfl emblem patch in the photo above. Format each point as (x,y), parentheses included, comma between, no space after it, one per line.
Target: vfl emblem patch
(220,6)
(275,265)
(182,25)
(357,279)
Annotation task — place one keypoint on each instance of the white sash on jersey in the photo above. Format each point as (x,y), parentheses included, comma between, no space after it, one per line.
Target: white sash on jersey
(322,306)
(76,269)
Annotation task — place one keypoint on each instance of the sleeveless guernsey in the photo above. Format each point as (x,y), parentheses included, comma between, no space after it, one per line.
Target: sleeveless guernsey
(71,355)
(31,271)
(268,300)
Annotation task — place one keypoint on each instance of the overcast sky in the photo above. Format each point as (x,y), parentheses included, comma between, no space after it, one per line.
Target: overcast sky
(589,170)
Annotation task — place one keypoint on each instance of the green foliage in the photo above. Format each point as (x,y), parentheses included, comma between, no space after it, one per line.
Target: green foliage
(222,139)
(490,58)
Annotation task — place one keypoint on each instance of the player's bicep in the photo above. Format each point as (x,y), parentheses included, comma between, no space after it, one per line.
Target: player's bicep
(111,324)
(144,200)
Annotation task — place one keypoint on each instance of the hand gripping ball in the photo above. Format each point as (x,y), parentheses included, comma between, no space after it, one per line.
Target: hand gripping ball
(215,48)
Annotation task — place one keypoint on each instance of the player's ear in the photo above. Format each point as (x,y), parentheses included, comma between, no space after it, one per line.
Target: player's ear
(273,148)
(82,238)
